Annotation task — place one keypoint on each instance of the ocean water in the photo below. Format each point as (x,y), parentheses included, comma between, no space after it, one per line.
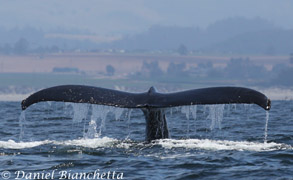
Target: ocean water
(53,140)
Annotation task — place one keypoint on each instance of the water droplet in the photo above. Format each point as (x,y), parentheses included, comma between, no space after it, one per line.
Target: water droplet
(266,126)
(216,115)
(21,124)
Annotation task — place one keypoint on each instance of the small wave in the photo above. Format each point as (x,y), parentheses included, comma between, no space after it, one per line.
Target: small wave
(106,142)
(10,144)
(208,144)
(88,143)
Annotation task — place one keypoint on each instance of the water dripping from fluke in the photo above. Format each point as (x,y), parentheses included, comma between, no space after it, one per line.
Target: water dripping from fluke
(266,126)
(185,110)
(99,112)
(151,102)
(80,112)
(216,115)
(193,110)
(128,122)
(118,113)
(104,112)
(21,125)
(92,130)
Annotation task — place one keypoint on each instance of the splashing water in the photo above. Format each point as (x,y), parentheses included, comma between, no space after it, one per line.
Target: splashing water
(21,124)
(247,107)
(216,115)
(193,110)
(49,103)
(128,122)
(204,144)
(92,130)
(185,110)
(208,144)
(266,126)
(118,112)
(205,110)
(98,112)
(235,106)
(101,112)
(80,112)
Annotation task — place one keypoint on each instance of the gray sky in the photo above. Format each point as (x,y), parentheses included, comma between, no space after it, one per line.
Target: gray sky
(115,17)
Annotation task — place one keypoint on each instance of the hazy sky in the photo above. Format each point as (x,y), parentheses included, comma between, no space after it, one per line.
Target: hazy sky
(113,17)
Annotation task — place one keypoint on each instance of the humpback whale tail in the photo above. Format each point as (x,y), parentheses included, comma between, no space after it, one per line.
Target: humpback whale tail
(151,102)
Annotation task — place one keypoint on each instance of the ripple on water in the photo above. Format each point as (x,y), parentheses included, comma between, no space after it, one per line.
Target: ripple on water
(232,149)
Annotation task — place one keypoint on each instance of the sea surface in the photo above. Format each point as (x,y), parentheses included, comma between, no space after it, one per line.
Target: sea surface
(53,140)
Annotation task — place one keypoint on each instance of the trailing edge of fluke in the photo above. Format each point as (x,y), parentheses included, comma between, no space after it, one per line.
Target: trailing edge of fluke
(150,99)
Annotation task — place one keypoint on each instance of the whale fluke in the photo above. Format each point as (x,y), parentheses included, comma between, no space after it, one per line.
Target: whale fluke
(150,99)
(152,103)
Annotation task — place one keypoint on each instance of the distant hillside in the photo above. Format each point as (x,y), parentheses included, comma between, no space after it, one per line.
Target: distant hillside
(38,40)
(228,36)
(269,42)
(233,35)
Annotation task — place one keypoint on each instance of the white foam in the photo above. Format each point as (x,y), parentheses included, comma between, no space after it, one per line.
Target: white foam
(89,143)
(106,142)
(10,144)
(216,145)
